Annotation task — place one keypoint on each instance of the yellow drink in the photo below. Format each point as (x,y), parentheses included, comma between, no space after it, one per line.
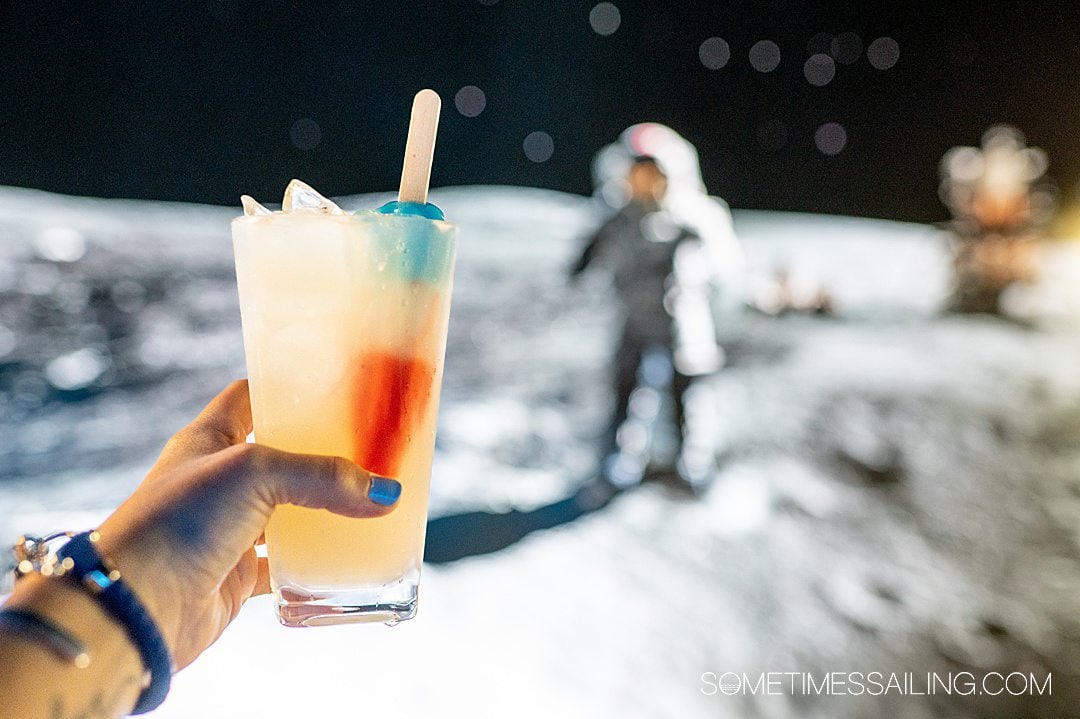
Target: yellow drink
(344,322)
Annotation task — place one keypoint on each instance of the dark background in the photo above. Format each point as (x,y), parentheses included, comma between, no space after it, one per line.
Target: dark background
(195,100)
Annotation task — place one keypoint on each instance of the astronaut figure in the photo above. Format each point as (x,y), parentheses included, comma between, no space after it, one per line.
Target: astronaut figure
(667,246)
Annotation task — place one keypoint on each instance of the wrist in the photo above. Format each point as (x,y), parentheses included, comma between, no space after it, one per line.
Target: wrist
(137,558)
(114,666)
(81,560)
(70,606)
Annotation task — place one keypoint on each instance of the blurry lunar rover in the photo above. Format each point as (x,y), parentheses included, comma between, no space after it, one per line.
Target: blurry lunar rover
(998,214)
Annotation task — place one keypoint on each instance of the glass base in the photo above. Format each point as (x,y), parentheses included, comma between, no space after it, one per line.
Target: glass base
(390,604)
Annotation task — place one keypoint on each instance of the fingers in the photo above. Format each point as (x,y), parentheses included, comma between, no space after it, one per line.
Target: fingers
(247,579)
(262,581)
(224,422)
(314,481)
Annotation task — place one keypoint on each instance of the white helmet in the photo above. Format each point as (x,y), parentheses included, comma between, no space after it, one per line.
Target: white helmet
(686,199)
(674,155)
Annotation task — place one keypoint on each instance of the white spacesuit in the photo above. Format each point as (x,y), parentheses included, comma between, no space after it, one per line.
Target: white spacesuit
(686,206)
(668,245)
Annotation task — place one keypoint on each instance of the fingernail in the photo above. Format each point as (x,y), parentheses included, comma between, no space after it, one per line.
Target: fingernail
(384,491)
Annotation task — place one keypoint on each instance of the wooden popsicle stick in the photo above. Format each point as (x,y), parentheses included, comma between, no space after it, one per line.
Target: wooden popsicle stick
(420,147)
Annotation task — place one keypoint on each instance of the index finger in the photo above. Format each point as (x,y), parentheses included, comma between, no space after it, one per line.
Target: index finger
(225,421)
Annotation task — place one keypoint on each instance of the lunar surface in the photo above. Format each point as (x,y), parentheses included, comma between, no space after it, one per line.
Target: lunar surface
(897,489)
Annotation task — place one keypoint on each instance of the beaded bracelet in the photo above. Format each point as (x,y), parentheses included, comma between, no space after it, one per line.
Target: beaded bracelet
(103,582)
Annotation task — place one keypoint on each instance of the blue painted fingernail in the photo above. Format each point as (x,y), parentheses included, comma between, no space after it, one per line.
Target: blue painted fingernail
(384,491)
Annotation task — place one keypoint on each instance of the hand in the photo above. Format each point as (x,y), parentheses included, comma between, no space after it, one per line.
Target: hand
(184,541)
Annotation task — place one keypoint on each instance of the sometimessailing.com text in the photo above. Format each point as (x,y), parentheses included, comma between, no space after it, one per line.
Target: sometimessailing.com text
(875,683)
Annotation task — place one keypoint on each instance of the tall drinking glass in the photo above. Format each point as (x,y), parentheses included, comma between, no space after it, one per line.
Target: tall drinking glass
(344,320)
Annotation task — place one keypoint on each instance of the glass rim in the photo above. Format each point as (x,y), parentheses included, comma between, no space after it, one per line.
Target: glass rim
(348,218)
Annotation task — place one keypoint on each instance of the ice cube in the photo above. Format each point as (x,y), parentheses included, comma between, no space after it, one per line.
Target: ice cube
(302,197)
(252,207)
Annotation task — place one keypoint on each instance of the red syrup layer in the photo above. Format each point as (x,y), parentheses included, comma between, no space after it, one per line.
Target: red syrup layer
(390,405)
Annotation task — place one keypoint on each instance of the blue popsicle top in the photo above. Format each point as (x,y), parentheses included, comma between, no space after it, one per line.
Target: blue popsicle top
(415,209)
(426,255)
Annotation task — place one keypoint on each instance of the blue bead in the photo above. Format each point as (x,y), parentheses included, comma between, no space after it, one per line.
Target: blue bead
(99,578)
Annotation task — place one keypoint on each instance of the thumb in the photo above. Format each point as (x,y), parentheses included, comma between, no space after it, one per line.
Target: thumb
(307,480)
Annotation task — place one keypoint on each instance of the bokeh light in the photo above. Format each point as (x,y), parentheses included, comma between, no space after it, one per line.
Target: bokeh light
(714,53)
(883,53)
(765,56)
(305,134)
(470,101)
(77,369)
(830,138)
(538,146)
(819,70)
(60,244)
(605,18)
